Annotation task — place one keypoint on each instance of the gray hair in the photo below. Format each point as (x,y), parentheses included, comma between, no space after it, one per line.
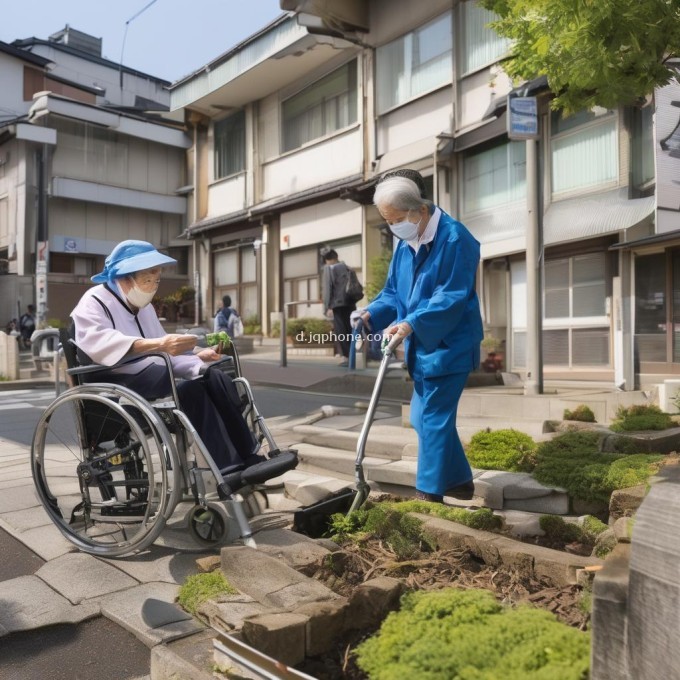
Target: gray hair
(400,193)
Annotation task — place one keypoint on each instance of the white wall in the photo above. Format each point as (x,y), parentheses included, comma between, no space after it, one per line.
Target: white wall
(477,91)
(12,88)
(321,222)
(227,196)
(322,162)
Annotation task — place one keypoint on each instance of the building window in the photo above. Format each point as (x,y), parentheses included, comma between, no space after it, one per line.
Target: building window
(494,176)
(584,150)
(235,275)
(230,145)
(481,44)
(414,64)
(325,107)
(576,287)
(643,146)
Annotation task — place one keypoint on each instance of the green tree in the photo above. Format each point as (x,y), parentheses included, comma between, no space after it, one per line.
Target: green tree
(594,52)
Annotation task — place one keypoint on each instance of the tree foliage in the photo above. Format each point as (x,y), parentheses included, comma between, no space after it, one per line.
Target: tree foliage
(594,52)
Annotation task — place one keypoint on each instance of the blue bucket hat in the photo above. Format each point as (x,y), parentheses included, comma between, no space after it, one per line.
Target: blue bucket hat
(129,257)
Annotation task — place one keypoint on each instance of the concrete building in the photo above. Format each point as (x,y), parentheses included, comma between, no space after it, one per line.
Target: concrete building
(82,166)
(292,127)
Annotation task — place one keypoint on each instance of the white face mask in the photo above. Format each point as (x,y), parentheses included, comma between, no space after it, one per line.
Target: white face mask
(405,230)
(138,298)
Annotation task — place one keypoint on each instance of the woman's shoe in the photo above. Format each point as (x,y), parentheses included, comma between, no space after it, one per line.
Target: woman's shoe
(463,492)
(430,497)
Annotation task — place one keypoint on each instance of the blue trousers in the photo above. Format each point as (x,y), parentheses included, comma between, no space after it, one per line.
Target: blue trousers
(441,460)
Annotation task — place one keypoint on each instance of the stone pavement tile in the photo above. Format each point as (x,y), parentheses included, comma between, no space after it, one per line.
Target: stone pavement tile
(27,603)
(555,504)
(159,564)
(19,497)
(46,541)
(15,476)
(526,486)
(401,472)
(313,489)
(78,577)
(21,520)
(125,609)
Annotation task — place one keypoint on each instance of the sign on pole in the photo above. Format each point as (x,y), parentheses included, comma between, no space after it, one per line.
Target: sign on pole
(522,117)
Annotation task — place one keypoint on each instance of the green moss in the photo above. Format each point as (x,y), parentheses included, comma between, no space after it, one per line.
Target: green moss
(201,587)
(573,461)
(556,529)
(483,518)
(641,417)
(593,527)
(604,547)
(502,450)
(581,413)
(468,635)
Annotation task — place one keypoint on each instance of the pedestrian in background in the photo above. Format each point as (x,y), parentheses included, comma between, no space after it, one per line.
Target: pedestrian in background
(27,326)
(430,300)
(336,306)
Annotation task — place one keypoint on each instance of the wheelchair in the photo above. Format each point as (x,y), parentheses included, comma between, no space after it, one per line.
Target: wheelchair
(111,468)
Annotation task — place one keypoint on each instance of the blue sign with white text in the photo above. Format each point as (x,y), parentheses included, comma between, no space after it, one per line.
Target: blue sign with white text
(522,118)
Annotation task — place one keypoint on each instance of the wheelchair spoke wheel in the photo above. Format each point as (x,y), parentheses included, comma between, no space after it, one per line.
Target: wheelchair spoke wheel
(104,466)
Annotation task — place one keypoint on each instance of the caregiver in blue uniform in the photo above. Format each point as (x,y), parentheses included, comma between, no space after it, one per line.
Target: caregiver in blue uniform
(430,300)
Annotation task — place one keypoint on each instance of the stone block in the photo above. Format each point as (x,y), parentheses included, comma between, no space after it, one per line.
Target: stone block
(609,617)
(325,624)
(281,635)
(189,658)
(625,502)
(555,504)
(623,529)
(295,550)
(207,564)
(230,611)
(526,487)
(270,581)
(372,600)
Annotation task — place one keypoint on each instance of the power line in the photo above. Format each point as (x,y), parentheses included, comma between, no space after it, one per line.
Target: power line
(122,49)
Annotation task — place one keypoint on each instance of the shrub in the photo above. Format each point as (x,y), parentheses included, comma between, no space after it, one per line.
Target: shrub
(582,413)
(201,587)
(559,531)
(641,417)
(251,325)
(467,634)
(301,329)
(593,527)
(573,461)
(378,267)
(502,450)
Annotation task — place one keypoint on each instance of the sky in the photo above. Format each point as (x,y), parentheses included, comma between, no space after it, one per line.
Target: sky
(167,39)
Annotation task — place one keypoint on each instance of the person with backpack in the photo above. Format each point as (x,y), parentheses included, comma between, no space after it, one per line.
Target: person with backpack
(27,326)
(228,320)
(340,290)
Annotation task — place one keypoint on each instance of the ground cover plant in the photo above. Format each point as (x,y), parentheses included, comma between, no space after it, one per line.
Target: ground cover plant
(502,450)
(200,588)
(582,413)
(469,635)
(641,417)
(574,462)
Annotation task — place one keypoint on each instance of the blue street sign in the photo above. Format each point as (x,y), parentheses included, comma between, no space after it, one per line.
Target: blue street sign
(522,117)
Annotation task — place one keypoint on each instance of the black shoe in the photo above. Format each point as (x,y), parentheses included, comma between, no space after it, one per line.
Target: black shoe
(430,497)
(463,492)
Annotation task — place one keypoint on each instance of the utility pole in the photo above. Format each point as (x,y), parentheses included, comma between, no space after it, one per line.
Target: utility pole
(523,123)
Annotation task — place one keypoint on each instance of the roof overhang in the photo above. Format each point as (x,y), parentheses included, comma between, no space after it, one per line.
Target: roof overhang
(280,55)
(655,239)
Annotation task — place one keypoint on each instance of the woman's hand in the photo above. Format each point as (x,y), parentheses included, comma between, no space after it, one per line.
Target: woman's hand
(177,343)
(402,329)
(209,354)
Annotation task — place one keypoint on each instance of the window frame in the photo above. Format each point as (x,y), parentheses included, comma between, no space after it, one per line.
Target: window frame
(353,111)
(412,97)
(463,42)
(216,175)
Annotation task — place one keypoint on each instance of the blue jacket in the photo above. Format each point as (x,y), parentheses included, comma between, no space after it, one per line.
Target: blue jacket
(434,291)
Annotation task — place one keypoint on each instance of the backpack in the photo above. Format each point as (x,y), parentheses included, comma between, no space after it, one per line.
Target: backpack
(354,291)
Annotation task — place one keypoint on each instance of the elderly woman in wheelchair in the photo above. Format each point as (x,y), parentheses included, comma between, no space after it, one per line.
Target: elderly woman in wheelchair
(114,455)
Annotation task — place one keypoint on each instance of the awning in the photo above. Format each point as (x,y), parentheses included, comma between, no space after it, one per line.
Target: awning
(648,240)
(572,219)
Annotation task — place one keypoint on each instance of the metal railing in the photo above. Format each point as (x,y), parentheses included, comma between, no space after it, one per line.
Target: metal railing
(284,317)
(45,347)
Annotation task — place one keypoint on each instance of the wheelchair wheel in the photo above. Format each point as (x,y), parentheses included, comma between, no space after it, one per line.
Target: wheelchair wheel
(207,526)
(106,469)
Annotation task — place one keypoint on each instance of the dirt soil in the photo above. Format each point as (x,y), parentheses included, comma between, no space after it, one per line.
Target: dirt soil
(457,568)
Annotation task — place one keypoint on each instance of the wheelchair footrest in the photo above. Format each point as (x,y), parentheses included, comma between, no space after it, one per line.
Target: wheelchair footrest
(279,463)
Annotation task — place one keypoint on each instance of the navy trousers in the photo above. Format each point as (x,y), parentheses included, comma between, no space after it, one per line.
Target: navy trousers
(211,403)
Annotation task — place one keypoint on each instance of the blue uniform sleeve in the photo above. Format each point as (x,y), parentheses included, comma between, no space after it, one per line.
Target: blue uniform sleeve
(437,316)
(383,309)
